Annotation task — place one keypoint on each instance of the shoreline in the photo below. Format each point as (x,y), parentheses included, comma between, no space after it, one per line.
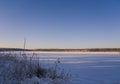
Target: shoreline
(91,50)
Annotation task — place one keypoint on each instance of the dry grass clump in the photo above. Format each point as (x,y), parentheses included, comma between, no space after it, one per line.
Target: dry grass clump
(15,68)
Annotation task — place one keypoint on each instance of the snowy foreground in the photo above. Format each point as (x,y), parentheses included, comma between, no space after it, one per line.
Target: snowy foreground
(84,68)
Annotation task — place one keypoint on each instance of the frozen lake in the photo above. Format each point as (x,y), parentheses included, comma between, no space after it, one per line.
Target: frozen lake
(87,68)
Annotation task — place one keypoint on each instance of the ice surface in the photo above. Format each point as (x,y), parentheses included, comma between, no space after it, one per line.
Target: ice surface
(85,68)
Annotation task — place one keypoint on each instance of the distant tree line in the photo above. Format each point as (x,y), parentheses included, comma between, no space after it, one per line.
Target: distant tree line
(82,50)
(13,49)
(65,50)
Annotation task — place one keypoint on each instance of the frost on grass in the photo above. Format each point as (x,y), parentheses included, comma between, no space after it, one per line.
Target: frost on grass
(22,69)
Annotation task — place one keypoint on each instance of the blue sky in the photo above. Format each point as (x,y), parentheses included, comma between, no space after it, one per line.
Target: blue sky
(60,23)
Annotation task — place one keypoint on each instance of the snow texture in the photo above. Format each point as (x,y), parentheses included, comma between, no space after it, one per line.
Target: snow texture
(85,68)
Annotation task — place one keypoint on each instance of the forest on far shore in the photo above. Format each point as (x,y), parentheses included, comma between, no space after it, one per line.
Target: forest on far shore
(65,50)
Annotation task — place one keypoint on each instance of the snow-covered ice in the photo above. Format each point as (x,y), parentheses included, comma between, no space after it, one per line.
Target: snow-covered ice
(85,68)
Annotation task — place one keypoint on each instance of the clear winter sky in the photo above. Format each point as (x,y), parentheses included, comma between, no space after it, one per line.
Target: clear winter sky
(60,23)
